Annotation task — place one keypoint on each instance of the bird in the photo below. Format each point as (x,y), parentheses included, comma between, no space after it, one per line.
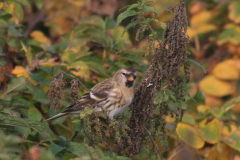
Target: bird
(113,95)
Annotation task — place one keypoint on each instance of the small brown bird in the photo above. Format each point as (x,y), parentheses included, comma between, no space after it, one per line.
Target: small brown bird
(113,95)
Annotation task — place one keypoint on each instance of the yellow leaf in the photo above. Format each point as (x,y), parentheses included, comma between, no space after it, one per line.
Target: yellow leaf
(228,131)
(226,71)
(169,119)
(212,86)
(82,70)
(201,18)
(10,8)
(59,25)
(50,62)
(20,71)
(204,28)
(203,109)
(1,5)
(234,11)
(39,36)
(189,135)
(77,3)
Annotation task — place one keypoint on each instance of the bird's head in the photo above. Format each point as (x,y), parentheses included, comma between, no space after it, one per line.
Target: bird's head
(126,77)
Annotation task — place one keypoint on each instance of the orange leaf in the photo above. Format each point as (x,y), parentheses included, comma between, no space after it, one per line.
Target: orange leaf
(20,71)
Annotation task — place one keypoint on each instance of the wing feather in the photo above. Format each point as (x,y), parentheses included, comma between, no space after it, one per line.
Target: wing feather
(99,93)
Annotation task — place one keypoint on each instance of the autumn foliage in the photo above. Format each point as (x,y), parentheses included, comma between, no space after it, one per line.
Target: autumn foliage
(186,53)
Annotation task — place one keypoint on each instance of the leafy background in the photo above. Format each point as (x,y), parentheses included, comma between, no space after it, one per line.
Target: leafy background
(39,38)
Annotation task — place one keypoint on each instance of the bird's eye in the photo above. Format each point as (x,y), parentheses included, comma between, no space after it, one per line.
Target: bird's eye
(124,74)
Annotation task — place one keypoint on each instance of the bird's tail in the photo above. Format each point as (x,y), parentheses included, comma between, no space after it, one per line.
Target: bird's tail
(56,116)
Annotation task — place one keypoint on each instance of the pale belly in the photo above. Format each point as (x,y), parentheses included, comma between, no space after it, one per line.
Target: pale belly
(117,111)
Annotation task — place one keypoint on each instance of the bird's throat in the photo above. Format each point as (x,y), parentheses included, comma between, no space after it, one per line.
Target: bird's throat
(129,84)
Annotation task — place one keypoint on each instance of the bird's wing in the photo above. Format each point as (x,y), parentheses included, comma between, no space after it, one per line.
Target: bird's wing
(100,92)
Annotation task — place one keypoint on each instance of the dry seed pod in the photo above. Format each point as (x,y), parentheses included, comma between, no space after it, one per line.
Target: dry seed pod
(56,90)
(75,89)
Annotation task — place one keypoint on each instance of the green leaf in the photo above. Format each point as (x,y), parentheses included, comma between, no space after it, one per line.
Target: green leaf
(210,132)
(98,68)
(5,16)
(146,2)
(34,114)
(18,10)
(10,145)
(13,32)
(31,88)
(233,141)
(55,148)
(228,105)
(29,56)
(3,37)
(188,119)
(79,149)
(122,158)
(198,64)
(81,28)
(3,23)
(77,120)
(150,9)
(44,131)
(163,25)
(109,23)
(124,15)
(132,24)
(234,11)
(24,2)
(131,57)
(227,33)
(217,111)
(15,41)
(17,85)
(189,135)
(129,7)
(94,20)
(24,131)
(41,96)
(2,61)
(18,104)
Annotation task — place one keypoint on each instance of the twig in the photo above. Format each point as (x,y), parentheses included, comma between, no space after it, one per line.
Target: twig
(35,62)
(150,27)
(33,20)
(196,39)
(153,142)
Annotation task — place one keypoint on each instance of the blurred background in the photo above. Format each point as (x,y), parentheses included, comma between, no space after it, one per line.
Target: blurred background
(38,38)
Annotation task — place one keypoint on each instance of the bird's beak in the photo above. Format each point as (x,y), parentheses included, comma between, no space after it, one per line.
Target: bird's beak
(130,78)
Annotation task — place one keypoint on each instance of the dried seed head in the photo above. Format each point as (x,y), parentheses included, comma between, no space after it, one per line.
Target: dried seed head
(56,90)
(75,90)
